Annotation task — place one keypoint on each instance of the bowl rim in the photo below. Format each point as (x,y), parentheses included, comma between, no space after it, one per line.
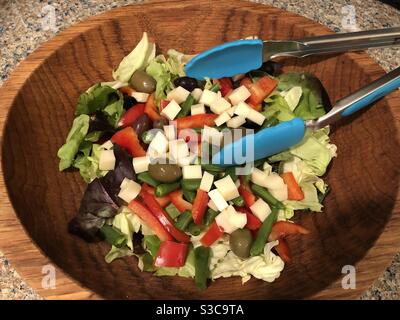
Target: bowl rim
(29,266)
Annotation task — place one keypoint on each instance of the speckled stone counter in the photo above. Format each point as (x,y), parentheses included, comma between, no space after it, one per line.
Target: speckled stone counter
(21,32)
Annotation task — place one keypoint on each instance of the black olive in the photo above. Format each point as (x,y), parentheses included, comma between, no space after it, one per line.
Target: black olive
(271,67)
(186,82)
(160,123)
(142,124)
(129,101)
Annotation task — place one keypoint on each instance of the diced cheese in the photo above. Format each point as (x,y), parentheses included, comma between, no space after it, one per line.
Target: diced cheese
(107,145)
(237,219)
(256,117)
(236,122)
(211,135)
(170,132)
(140,96)
(230,220)
(192,172)
(159,144)
(219,105)
(273,181)
(239,94)
(260,209)
(124,183)
(227,188)
(130,190)
(258,177)
(171,110)
(218,200)
(206,181)
(207,97)
(178,149)
(280,194)
(141,164)
(196,93)
(237,183)
(231,111)
(242,109)
(197,109)
(212,205)
(178,94)
(222,118)
(267,168)
(107,160)
(185,161)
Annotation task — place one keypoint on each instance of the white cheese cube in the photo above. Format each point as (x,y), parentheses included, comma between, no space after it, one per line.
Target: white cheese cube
(196,93)
(171,110)
(260,209)
(207,97)
(236,122)
(220,105)
(258,177)
(185,161)
(256,117)
(280,194)
(192,172)
(197,109)
(107,160)
(178,94)
(159,145)
(227,188)
(108,145)
(237,219)
(170,132)
(130,191)
(230,220)
(239,94)
(140,96)
(124,183)
(242,109)
(273,181)
(141,164)
(231,111)
(211,135)
(218,200)
(212,205)
(222,118)
(178,149)
(206,181)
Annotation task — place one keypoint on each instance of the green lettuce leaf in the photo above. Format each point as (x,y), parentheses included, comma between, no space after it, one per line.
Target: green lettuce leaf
(278,108)
(158,69)
(151,243)
(128,223)
(75,137)
(308,107)
(116,253)
(176,62)
(88,165)
(138,59)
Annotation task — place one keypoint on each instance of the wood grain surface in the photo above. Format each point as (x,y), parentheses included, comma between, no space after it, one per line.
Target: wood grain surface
(361,222)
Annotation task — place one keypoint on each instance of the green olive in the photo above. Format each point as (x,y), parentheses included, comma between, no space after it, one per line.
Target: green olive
(240,242)
(165,173)
(142,82)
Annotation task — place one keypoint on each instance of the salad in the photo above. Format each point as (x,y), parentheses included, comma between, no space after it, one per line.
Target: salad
(143,144)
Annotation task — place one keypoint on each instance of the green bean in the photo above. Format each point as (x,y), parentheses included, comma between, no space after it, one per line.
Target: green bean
(186,106)
(166,188)
(231,171)
(212,167)
(322,196)
(201,266)
(210,216)
(264,194)
(184,220)
(238,202)
(215,88)
(189,195)
(258,245)
(172,211)
(146,178)
(113,236)
(190,184)
(194,229)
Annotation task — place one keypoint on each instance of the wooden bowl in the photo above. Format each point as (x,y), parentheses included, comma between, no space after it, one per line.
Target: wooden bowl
(360,225)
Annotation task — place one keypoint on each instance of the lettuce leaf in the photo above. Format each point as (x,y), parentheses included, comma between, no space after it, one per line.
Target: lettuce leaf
(88,165)
(176,62)
(278,108)
(186,271)
(158,69)
(75,137)
(116,253)
(138,59)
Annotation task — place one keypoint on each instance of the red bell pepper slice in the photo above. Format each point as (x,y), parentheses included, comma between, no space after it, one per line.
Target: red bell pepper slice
(281,229)
(260,90)
(177,200)
(128,140)
(245,191)
(130,116)
(200,205)
(226,86)
(171,254)
(294,190)
(213,234)
(283,250)
(253,223)
(163,103)
(163,201)
(196,121)
(163,217)
(151,108)
(150,220)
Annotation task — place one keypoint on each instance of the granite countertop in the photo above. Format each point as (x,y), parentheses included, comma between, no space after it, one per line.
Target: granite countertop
(21,32)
